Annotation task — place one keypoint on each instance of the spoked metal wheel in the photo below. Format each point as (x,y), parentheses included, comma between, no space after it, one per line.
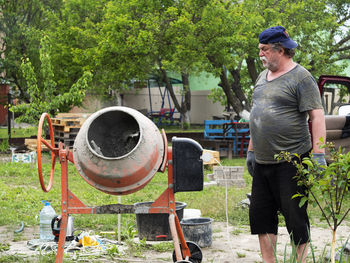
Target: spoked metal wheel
(51,146)
(196,253)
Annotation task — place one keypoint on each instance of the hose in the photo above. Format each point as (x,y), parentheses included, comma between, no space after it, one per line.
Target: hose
(20,229)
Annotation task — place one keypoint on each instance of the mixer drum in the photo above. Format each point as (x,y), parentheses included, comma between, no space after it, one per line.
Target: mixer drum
(118,150)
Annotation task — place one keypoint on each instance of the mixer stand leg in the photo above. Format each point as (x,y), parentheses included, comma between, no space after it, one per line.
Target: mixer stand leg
(175,237)
(62,239)
(63,155)
(180,246)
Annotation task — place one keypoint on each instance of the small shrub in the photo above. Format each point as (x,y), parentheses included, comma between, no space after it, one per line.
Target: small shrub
(327,186)
(4,146)
(4,247)
(163,246)
(113,251)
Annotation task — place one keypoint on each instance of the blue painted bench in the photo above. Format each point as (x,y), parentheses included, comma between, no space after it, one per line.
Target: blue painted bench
(238,132)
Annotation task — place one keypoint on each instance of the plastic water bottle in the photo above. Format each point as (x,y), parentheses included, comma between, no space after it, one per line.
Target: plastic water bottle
(46,215)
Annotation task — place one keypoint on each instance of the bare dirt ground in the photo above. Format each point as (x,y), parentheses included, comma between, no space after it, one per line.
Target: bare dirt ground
(236,247)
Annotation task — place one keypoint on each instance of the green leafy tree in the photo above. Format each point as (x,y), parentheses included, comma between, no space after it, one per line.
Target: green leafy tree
(229,38)
(224,33)
(328,187)
(22,24)
(53,75)
(146,38)
(120,41)
(43,96)
(74,34)
(136,38)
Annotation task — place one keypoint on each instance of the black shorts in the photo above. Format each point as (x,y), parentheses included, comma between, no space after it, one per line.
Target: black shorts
(272,191)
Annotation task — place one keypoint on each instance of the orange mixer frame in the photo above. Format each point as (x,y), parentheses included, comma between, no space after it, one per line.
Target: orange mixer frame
(71,204)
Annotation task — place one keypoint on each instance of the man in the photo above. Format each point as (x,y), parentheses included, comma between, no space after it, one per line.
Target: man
(285,95)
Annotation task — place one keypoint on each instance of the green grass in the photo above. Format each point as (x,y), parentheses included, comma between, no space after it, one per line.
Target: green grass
(20,191)
(18,132)
(32,131)
(21,195)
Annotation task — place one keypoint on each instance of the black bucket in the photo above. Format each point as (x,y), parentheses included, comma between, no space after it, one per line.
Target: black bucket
(155,227)
(198,230)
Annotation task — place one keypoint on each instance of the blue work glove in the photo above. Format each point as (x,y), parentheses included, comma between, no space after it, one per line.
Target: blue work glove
(319,158)
(250,162)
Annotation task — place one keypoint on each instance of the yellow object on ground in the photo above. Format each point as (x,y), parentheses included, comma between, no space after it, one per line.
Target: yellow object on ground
(88,241)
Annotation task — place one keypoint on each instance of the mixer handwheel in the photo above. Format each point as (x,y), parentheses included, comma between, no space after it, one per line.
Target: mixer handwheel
(196,253)
(51,146)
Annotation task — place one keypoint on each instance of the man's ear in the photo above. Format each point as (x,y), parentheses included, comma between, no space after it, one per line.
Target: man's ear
(281,51)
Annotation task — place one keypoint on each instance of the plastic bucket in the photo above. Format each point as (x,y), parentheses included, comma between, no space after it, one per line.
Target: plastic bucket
(155,227)
(198,230)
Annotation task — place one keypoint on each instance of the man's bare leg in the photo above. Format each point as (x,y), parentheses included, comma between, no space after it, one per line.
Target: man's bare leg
(302,252)
(267,247)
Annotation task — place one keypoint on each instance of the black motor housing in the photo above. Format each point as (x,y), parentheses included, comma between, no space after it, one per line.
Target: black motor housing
(187,165)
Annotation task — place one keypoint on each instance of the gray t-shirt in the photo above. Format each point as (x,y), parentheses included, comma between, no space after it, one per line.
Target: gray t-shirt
(278,119)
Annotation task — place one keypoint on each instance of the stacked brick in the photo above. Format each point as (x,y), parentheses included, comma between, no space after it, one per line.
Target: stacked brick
(230,175)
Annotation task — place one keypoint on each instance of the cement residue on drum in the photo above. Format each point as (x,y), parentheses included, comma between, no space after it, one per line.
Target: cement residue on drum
(114,134)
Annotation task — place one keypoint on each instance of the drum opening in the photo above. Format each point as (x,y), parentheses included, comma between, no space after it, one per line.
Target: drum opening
(113,134)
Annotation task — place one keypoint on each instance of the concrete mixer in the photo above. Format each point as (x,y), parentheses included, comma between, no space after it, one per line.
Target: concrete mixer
(118,150)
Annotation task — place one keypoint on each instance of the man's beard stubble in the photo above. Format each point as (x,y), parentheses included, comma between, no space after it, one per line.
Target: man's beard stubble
(271,65)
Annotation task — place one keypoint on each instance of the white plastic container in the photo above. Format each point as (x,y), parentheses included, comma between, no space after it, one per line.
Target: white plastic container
(45,217)
(192,213)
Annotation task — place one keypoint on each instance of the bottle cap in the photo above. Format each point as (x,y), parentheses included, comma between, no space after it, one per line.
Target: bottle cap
(46,203)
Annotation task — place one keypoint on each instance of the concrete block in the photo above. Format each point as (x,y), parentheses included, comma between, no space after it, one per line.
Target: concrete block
(230,175)
(230,182)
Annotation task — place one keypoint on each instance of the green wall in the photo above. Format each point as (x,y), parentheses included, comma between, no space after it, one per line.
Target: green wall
(203,81)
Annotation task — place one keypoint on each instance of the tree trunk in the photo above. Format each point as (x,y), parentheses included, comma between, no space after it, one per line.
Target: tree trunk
(186,104)
(333,245)
(237,89)
(185,120)
(253,73)
(233,91)
(231,99)
(169,87)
